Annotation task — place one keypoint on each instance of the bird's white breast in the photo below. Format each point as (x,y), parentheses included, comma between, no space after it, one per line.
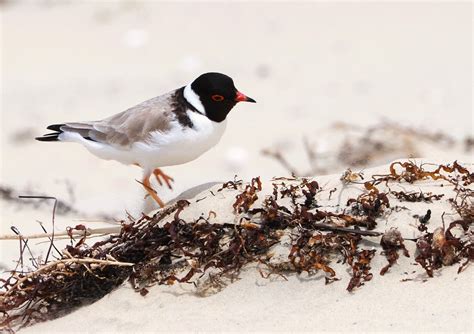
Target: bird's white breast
(180,144)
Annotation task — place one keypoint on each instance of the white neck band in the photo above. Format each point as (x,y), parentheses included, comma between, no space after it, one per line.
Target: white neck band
(193,99)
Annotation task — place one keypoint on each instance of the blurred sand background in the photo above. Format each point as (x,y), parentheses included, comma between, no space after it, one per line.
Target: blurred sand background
(308,65)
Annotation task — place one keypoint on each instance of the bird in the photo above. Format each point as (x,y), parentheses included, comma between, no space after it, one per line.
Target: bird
(167,130)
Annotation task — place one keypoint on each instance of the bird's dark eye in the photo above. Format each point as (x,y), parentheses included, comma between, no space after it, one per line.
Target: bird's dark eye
(217,98)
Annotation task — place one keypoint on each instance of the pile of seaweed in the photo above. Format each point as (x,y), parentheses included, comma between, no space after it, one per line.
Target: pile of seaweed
(166,249)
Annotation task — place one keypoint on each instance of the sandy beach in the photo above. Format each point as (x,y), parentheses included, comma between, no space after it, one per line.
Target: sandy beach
(362,84)
(404,299)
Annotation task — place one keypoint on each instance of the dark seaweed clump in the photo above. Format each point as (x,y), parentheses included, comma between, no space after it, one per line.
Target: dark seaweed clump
(166,249)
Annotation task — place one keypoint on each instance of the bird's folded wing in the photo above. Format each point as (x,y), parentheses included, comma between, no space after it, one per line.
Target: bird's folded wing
(128,127)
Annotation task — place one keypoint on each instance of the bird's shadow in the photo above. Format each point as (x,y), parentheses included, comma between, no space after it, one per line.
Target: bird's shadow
(188,194)
(193,192)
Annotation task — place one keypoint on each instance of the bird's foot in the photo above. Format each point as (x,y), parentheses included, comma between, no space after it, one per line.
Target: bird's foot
(159,174)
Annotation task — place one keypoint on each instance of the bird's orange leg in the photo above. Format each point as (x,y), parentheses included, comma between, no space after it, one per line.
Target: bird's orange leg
(151,191)
(160,174)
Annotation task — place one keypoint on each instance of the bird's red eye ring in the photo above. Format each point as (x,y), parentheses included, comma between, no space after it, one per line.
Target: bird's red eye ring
(217,98)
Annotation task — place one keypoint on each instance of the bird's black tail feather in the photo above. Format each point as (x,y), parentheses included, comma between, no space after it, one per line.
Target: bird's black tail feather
(52,136)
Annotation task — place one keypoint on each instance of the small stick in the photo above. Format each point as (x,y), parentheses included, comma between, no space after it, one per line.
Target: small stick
(51,244)
(325,227)
(87,232)
(50,239)
(23,246)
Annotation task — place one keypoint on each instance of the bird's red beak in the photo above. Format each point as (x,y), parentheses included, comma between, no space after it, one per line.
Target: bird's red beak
(243,98)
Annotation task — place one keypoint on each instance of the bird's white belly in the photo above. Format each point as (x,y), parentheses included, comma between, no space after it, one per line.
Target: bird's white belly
(179,145)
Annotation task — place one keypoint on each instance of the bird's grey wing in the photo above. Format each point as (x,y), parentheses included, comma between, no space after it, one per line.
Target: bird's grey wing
(130,126)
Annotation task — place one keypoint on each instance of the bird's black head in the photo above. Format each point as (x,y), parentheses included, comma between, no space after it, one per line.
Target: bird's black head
(217,94)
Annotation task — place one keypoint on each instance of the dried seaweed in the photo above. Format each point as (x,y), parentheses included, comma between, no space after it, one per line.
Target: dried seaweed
(463,203)
(425,218)
(416,196)
(349,176)
(244,200)
(360,268)
(443,248)
(391,242)
(370,205)
(166,249)
(234,184)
